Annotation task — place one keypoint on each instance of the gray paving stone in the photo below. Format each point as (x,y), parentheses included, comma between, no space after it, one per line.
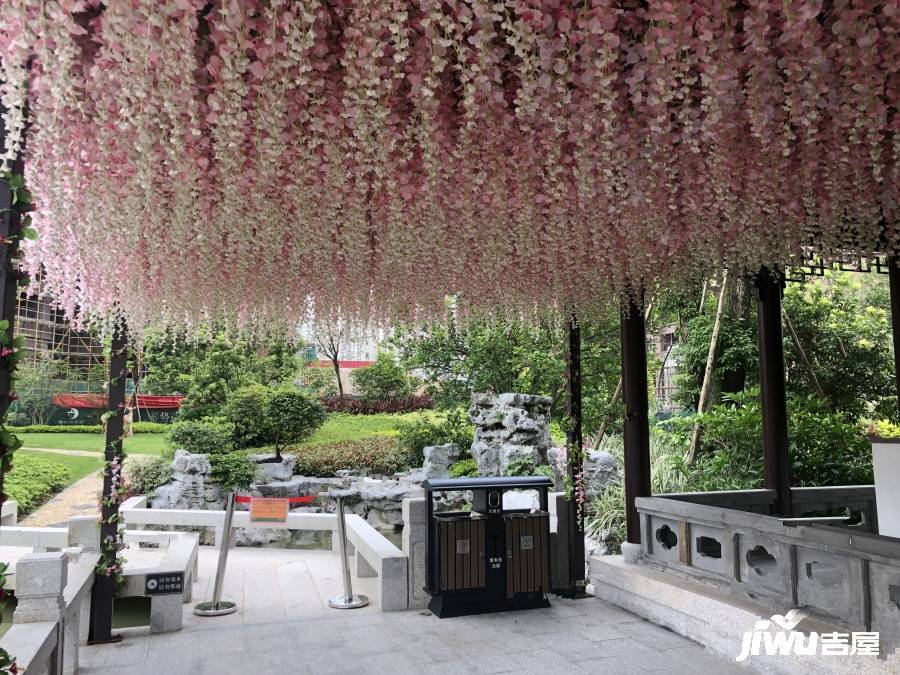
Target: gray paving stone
(286,627)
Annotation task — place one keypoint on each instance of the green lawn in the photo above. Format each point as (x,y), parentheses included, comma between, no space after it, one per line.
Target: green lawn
(345,427)
(139,444)
(338,427)
(78,467)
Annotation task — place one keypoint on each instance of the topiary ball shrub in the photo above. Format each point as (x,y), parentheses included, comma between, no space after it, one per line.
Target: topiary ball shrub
(207,436)
(234,471)
(247,410)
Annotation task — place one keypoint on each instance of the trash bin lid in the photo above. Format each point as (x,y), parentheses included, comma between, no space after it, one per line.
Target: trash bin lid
(487,483)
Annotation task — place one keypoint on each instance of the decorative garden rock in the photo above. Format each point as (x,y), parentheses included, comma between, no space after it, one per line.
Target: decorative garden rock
(509,427)
(438,459)
(600,469)
(190,485)
(269,470)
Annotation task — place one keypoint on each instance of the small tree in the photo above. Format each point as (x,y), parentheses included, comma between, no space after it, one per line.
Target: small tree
(292,417)
(330,335)
(247,409)
(383,379)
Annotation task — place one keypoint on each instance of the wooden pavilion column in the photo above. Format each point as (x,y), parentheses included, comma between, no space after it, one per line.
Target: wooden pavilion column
(10,225)
(776,462)
(575,456)
(894,279)
(104,588)
(633,334)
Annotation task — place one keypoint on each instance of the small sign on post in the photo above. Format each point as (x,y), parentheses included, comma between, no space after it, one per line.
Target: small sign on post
(268,510)
(164,584)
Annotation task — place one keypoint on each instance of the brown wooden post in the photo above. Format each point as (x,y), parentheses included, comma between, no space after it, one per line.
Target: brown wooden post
(575,456)
(894,279)
(773,392)
(104,589)
(10,229)
(637,423)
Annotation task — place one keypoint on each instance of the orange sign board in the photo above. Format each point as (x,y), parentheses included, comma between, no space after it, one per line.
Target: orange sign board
(268,510)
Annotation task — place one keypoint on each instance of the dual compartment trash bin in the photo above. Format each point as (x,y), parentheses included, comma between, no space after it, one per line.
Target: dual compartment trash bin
(491,558)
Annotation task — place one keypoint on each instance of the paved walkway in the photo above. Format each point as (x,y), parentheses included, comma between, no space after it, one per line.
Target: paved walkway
(81,498)
(285,626)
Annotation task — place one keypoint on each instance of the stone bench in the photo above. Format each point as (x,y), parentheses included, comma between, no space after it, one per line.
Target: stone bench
(175,552)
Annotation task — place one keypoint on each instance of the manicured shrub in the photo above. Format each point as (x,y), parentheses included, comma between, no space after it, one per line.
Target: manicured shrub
(234,470)
(143,474)
(293,416)
(417,435)
(377,455)
(382,380)
(359,406)
(33,481)
(263,416)
(464,468)
(247,410)
(208,436)
(136,427)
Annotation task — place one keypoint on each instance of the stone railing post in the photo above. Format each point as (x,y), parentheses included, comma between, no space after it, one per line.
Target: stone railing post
(40,583)
(84,532)
(415,532)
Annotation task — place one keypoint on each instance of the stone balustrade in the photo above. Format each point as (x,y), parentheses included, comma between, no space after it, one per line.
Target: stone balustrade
(848,576)
(375,556)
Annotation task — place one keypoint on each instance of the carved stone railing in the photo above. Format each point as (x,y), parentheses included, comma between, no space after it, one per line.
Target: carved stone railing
(834,505)
(848,576)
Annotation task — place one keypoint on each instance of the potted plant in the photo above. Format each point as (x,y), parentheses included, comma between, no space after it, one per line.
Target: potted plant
(885,439)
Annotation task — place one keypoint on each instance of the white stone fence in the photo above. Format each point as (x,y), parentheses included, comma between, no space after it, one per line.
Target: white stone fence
(375,556)
(53,591)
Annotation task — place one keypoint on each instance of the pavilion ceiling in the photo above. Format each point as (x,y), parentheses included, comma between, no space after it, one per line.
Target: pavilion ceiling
(240,157)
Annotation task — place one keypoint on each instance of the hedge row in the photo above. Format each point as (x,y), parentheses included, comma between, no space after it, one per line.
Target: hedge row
(136,427)
(377,455)
(33,481)
(361,406)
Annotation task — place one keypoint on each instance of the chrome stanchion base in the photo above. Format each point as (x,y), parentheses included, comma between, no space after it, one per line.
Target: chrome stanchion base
(221,608)
(353,602)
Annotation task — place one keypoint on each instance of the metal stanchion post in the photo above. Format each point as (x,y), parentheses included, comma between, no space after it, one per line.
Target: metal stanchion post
(347,600)
(219,607)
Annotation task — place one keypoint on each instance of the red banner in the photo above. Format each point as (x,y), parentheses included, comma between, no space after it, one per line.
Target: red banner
(144,401)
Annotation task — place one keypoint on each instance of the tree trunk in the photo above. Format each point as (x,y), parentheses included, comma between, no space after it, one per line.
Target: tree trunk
(337,375)
(710,361)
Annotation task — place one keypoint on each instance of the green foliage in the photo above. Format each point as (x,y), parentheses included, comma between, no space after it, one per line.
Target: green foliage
(208,436)
(843,323)
(459,358)
(262,416)
(248,411)
(377,455)
(318,382)
(145,474)
(293,416)
(33,481)
(882,429)
(207,370)
(384,379)
(427,430)
(826,448)
(222,371)
(34,383)
(843,327)
(234,471)
(136,427)
(464,468)
(525,466)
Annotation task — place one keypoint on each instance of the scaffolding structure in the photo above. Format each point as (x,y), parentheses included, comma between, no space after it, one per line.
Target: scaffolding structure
(77,355)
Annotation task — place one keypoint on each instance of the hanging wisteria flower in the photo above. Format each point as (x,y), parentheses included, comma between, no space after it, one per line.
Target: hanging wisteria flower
(250,161)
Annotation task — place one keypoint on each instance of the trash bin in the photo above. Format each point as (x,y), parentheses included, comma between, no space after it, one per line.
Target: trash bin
(491,558)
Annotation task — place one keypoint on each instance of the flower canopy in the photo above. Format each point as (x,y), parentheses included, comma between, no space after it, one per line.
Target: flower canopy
(243,159)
